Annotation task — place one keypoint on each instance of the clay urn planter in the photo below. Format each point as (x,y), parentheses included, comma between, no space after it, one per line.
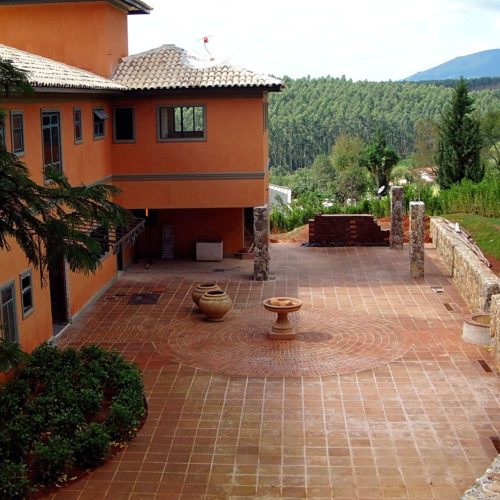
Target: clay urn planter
(201,289)
(215,304)
(476,329)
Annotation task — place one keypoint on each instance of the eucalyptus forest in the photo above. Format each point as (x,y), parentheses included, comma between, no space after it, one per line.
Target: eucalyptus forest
(310,114)
(339,144)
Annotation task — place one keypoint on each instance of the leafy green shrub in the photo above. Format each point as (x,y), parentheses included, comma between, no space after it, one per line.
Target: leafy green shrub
(91,445)
(121,424)
(14,483)
(47,411)
(51,459)
(13,397)
(89,401)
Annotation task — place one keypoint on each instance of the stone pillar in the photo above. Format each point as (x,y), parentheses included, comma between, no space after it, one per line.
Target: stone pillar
(397,214)
(417,238)
(261,231)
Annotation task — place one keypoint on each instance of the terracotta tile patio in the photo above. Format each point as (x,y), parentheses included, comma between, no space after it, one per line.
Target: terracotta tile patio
(379,398)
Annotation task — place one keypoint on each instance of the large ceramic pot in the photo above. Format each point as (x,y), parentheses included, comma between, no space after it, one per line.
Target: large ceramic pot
(201,289)
(215,304)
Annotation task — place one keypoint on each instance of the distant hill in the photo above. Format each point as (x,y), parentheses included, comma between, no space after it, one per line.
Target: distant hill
(481,64)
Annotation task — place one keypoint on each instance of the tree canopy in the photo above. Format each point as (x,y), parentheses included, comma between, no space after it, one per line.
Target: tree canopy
(310,114)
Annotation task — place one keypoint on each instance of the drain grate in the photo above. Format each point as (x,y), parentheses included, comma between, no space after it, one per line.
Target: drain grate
(448,306)
(485,366)
(496,442)
(143,298)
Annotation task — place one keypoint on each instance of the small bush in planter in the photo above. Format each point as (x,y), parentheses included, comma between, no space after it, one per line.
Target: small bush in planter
(51,459)
(54,414)
(14,483)
(91,445)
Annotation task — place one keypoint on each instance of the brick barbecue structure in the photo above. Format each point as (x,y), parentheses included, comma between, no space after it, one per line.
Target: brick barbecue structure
(347,230)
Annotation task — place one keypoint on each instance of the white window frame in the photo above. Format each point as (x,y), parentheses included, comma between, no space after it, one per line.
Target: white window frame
(10,284)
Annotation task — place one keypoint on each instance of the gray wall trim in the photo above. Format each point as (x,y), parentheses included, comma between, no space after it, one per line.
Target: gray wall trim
(198,176)
(191,176)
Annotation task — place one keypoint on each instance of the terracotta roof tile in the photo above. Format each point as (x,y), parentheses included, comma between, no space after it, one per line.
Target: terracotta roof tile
(170,67)
(43,72)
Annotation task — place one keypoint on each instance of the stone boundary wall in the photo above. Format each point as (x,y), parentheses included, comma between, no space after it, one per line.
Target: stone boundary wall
(495,327)
(486,487)
(472,278)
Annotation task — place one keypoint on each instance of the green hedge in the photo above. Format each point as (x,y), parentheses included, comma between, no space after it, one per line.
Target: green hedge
(50,418)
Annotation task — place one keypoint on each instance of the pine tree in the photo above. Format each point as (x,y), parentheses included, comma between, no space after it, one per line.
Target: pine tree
(459,146)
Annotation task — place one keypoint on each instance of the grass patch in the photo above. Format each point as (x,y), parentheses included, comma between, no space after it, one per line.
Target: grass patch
(485,231)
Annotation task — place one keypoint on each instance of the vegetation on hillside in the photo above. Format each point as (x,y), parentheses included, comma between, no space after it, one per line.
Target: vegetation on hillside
(308,117)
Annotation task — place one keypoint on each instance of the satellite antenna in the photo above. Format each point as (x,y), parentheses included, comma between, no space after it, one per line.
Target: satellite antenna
(381,189)
(213,54)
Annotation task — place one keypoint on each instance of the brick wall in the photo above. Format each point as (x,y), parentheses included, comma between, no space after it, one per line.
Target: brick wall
(346,230)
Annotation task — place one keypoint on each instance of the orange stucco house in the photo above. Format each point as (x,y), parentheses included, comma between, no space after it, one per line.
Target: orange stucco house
(186,143)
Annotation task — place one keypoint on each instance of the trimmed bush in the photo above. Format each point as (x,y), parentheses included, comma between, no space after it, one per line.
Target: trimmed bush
(14,483)
(51,414)
(91,445)
(51,459)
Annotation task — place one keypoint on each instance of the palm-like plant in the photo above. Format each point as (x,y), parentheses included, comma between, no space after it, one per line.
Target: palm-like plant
(11,355)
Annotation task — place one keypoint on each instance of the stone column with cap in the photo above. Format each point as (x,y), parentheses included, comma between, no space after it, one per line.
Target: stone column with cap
(261,231)
(397,214)
(417,238)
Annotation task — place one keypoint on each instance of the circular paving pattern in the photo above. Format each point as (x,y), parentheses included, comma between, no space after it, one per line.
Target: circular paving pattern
(329,343)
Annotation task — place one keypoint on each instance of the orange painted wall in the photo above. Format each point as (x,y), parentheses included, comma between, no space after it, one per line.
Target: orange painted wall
(235,142)
(82,163)
(37,326)
(82,288)
(56,31)
(193,225)
(86,162)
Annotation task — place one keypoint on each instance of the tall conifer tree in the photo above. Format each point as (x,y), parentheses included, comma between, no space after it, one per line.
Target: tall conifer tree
(459,145)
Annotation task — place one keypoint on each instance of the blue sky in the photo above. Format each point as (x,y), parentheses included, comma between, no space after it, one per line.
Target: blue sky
(361,39)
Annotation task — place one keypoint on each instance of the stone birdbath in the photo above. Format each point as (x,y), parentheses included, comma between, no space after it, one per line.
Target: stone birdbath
(282,329)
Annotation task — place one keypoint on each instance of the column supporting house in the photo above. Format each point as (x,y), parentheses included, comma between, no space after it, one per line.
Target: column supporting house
(397,214)
(417,238)
(261,243)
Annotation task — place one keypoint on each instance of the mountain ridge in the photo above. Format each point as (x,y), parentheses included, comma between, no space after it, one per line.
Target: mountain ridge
(478,65)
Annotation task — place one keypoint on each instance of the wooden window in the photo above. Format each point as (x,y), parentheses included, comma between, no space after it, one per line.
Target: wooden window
(8,312)
(2,132)
(181,123)
(99,117)
(77,125)
(123,124)
(51,140)
(26,292)
(17,131)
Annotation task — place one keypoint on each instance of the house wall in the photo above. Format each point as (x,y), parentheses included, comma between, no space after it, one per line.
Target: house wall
(83,288)
(35,327)
(55,30)
(190,226)
(82,163)
(235,144)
